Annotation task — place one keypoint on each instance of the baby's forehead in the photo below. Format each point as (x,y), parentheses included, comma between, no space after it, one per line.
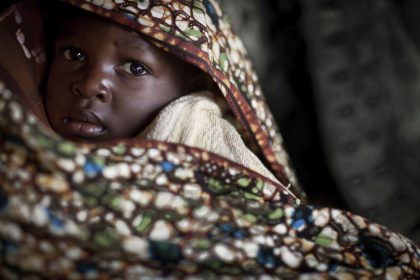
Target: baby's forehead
(84,24)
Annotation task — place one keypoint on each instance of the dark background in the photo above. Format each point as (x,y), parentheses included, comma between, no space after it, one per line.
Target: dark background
(342,78)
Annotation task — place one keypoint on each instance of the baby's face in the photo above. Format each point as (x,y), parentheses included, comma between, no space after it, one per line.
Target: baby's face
(107,82)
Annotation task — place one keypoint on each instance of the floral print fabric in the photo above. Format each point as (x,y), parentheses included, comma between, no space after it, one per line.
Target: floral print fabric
(133,209)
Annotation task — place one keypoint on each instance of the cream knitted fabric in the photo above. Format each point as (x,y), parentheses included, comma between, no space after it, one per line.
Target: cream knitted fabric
(197,120)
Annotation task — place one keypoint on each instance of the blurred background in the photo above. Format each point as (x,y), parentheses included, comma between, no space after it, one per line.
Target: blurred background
(342,78)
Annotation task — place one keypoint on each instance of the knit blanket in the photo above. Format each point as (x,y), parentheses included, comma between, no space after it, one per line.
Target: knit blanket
(197,120)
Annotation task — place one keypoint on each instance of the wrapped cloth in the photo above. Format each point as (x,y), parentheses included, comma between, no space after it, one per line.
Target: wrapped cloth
(197,120)
(141,208)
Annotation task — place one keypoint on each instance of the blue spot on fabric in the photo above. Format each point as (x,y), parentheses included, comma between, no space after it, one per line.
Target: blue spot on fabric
(240,234)
(8,246)
(55,222)
(127,14)
(298,224)
(167,166)
(298,214)
(211,11)
(302,217)
(165,252)
(86,268)
(265,257)
(376,252)
(333,268)
(232,231)
(310,217)
(227,228)
(4,199)
(91,169)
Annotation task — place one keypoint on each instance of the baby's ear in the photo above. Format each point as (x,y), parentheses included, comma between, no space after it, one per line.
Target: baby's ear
(201,81)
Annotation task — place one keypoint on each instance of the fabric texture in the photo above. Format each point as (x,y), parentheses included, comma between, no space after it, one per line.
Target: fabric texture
(197,120)
(134,208)
(198,32)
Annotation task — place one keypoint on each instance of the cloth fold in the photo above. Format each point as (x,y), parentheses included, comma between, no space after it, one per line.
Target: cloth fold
(198,120)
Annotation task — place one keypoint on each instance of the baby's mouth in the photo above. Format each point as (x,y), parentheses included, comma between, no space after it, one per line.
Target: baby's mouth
(85,124)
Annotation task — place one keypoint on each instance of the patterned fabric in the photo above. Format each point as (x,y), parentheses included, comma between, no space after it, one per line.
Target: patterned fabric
(199,33)
(133,209)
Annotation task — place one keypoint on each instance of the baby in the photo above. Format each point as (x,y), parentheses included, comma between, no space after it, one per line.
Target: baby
(108,82)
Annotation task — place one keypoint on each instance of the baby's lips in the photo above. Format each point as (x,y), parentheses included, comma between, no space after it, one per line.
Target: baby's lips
(85,124)
(86,116)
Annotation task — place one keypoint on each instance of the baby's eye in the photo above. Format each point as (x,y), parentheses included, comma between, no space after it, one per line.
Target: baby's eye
(73,54)
(134,68)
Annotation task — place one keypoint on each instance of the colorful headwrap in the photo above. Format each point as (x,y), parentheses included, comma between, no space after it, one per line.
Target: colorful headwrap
(133,208)
(198,32)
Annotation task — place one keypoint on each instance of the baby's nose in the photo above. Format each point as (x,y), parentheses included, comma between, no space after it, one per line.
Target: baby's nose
(94,83)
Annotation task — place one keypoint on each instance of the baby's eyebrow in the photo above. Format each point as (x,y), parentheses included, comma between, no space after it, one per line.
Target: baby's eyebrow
(66,32)
(139,45)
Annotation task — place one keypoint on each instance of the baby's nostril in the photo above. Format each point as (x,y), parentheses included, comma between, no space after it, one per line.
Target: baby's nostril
(101,96)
